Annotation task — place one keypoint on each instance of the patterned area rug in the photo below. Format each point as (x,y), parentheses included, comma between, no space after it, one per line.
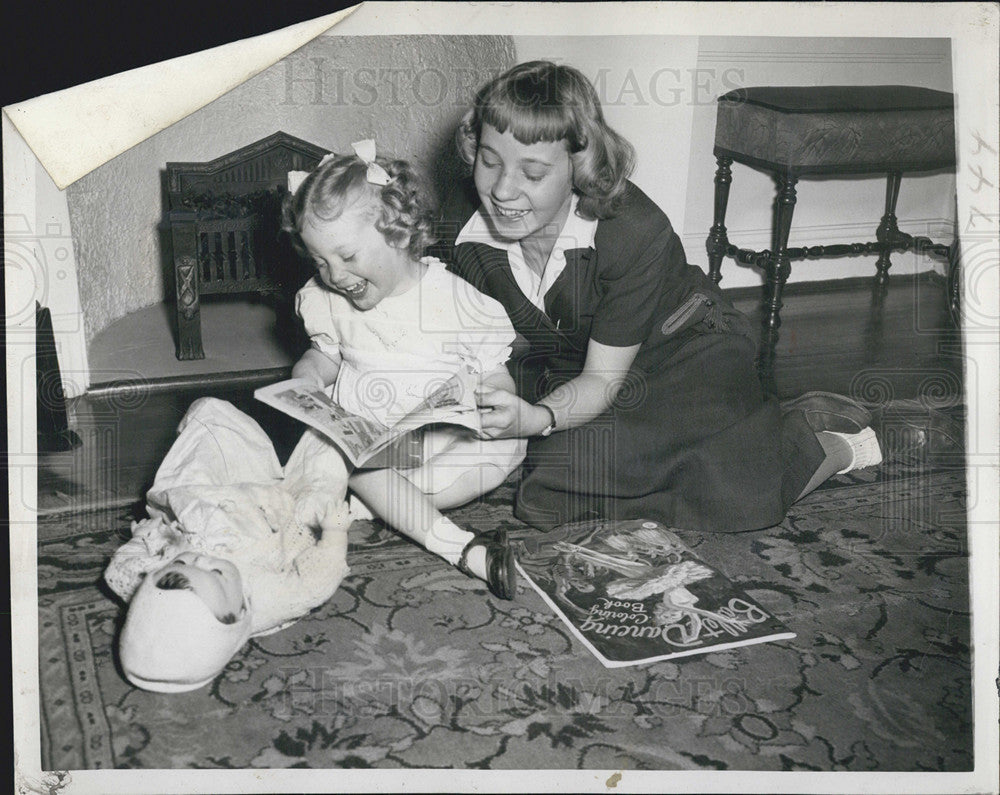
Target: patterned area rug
(411,664)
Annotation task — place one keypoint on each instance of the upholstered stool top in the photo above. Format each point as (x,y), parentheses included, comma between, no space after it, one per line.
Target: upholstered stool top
(837,129)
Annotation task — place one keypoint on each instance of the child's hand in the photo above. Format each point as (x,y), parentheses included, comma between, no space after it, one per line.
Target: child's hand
(317,368)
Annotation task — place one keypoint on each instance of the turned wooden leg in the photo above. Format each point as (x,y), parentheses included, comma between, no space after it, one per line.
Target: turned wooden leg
(888,229)
(778,268)
(718,239)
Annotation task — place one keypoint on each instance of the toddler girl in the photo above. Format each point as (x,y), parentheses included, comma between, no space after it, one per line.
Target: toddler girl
(387,326)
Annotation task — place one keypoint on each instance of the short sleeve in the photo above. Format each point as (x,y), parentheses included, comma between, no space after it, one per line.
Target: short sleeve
(488,352)
(312,304)
(633,286)
(486,334)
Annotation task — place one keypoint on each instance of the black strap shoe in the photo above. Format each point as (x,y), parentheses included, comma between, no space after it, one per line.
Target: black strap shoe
(501,574)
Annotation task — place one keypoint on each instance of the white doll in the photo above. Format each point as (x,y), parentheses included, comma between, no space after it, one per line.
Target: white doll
(235,546)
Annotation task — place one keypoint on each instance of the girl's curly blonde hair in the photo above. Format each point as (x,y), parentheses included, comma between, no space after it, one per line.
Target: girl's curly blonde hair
(402,211)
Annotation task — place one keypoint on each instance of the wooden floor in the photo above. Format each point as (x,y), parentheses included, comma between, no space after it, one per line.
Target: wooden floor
(837,336)
(830,340)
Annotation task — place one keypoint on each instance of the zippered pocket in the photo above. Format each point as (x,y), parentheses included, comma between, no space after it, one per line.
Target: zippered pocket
(710,313)
(695,308)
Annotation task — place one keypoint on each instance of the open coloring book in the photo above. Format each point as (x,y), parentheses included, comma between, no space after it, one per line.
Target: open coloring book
(364,442)
(633,593)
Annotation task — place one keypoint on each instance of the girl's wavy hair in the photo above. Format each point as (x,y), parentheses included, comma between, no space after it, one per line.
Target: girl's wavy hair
(403,210)
(543,101)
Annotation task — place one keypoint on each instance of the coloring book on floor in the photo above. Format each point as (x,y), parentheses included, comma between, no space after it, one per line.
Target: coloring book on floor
(365,442)
(633,593)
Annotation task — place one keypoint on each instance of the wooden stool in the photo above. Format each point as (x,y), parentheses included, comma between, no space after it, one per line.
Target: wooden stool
(797,131)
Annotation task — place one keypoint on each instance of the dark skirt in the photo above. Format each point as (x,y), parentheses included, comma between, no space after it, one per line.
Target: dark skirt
(693,444)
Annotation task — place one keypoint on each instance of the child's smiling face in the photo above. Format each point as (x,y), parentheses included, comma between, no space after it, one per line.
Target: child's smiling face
(215,581)
(355,260)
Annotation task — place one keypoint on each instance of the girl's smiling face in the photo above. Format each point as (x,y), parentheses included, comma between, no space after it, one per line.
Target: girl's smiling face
(525,189)
(215,581)
(355,260)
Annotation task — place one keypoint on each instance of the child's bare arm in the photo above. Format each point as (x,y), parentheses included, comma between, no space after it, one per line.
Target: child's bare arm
(316,366)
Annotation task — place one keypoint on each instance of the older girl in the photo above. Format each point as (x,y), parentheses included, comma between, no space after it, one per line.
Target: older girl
(636,384)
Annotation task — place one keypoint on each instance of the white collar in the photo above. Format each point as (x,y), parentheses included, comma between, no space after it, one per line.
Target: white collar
(576,233)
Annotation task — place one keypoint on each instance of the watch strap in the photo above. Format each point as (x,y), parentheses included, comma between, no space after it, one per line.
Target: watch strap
(552,424)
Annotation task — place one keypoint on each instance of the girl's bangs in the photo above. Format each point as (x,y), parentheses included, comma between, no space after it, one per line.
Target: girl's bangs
(529,123)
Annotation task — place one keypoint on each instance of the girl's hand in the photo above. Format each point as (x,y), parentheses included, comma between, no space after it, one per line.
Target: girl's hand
(503,415)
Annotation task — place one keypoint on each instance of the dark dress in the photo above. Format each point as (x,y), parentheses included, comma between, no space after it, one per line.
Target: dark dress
(691,440)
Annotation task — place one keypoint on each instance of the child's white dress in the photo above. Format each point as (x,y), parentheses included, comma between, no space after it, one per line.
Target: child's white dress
(394,354)
(221,491)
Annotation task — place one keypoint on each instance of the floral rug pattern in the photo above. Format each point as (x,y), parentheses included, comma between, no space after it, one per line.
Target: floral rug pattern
(411,664)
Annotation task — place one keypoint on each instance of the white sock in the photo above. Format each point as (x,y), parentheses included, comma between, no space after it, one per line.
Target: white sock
(447,539)
(865,451)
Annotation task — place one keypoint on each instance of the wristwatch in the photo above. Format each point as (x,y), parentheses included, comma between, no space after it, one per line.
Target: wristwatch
(552,424)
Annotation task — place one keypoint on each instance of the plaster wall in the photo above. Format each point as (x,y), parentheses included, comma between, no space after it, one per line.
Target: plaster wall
(405,92)
(645,85)
(660,92)
(827,210)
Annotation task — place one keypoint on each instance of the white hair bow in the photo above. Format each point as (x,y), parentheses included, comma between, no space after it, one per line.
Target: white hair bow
(366,151)
(296,178)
